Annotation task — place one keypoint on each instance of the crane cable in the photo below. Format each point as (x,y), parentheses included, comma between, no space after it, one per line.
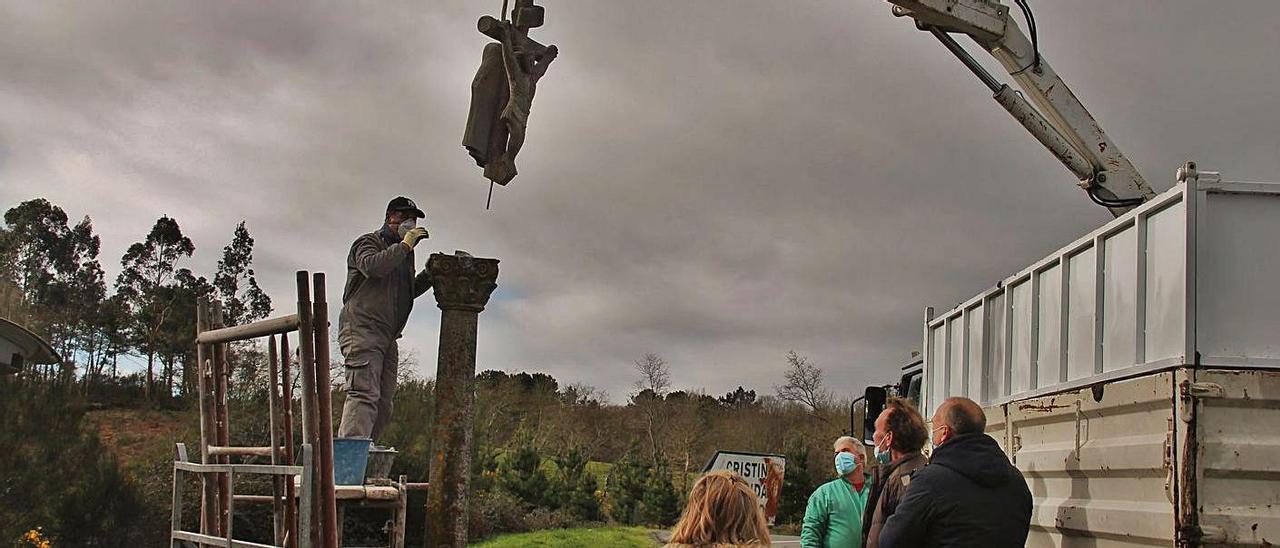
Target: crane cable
(1092,191)
(1035,37)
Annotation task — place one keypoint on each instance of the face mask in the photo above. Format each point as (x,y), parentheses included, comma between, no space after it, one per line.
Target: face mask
(845,464)
(406,225)
(933,446)
(883,456)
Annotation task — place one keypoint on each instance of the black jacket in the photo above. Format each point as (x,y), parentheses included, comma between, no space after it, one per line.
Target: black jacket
(968,495)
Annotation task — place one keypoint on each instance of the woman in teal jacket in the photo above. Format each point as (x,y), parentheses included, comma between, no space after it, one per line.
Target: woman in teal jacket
(833,518)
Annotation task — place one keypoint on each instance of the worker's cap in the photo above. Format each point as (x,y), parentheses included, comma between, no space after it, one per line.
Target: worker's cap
(400,203)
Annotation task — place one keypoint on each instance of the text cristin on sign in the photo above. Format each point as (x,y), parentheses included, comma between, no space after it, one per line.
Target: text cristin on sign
(762,471)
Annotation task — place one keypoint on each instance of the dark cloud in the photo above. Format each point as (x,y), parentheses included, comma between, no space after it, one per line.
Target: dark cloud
(718,182)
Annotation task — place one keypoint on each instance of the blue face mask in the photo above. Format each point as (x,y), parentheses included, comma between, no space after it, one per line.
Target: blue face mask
(845,464)
(883,456)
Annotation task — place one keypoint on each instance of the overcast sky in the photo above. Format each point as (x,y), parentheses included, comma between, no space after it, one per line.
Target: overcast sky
(718,182)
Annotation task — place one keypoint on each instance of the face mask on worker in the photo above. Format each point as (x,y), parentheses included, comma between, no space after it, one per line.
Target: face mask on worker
(882,455)
(406,225)
(933,435)
(845,464)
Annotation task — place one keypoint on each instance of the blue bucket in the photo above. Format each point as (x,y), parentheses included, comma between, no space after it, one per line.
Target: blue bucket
(350,457)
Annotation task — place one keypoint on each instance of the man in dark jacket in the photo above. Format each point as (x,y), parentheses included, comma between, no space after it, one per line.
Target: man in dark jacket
(376,301)
(968,495)
(899,436)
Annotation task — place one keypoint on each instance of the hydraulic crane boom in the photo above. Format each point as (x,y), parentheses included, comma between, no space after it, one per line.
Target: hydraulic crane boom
(1061,123)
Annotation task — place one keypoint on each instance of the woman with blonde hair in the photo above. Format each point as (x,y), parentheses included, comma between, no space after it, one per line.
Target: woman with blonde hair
(723,511)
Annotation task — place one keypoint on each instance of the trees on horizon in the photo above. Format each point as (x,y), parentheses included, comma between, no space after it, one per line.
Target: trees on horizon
(52,281)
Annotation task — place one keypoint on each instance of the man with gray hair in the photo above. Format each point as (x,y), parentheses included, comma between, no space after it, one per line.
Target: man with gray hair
(833,517)
(968,495)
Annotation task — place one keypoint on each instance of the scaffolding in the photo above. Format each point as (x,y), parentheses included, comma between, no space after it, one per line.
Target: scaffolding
(304,514)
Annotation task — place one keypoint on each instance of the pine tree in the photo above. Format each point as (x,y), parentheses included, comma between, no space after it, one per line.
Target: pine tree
(147,268)
(523,477)
(661,502)
(243,301)
(576,489)
(796,485)
(626,488)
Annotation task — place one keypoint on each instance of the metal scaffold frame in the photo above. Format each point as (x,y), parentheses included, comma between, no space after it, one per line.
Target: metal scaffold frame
(293,512)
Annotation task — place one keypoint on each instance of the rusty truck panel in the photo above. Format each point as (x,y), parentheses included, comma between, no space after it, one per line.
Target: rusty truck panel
(1238,476)
(1098,470)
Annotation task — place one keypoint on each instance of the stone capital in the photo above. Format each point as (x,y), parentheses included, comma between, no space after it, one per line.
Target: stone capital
(462,282)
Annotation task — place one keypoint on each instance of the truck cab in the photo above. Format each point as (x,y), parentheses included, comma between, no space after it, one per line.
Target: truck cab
(864,410)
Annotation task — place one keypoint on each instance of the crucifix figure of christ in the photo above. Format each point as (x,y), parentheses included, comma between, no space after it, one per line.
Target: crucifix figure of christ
(503,89)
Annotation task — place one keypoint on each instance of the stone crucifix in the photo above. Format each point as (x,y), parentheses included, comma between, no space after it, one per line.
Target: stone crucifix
(502,91)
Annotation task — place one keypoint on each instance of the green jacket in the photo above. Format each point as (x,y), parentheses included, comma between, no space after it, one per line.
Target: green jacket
(833,518)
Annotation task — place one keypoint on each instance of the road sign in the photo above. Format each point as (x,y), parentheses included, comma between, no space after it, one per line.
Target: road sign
(762,471)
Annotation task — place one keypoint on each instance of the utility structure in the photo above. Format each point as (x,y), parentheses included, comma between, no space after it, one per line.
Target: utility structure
(503,89)
(304,515)
(462,287)
(1062,124)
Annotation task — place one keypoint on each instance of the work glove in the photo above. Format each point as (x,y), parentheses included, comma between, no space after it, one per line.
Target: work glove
(412,237)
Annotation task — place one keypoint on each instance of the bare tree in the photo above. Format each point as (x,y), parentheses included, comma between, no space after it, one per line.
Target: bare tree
(654,374)
(804,383)
(655,379)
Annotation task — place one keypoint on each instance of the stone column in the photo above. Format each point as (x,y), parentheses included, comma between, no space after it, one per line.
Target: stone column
(462,286)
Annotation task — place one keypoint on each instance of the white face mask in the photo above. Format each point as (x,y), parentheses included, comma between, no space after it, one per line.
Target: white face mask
(406,225)
(933,446)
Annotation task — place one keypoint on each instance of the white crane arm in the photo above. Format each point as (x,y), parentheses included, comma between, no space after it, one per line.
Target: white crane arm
(1058,120)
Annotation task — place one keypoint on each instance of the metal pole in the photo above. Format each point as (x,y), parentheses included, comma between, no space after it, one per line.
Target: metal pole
(220,374)
(273,406)
(208,491)
(307,371)
(286,390)
(462,288)
(964,57)
(1023,112)
(324,397)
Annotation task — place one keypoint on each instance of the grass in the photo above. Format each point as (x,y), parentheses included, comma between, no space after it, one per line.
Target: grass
(623,537)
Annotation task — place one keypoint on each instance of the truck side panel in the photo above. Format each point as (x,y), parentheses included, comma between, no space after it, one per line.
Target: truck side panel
(1098,470)
(1238,484)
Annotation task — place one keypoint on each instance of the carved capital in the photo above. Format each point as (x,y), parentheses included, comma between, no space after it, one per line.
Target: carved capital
(462,282)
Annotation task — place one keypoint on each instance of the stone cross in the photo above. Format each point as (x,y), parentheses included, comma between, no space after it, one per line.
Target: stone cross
(462,287)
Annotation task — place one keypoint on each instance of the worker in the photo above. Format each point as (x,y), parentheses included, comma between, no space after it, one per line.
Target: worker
(833,517)
(968,495)
(900,435)
(376,301)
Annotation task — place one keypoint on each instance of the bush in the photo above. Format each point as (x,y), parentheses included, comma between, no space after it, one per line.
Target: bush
(661,502)
(58,477)
(543,518)
(625,488)
(575,490)
(522,476)
(641,494)
(495,512)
